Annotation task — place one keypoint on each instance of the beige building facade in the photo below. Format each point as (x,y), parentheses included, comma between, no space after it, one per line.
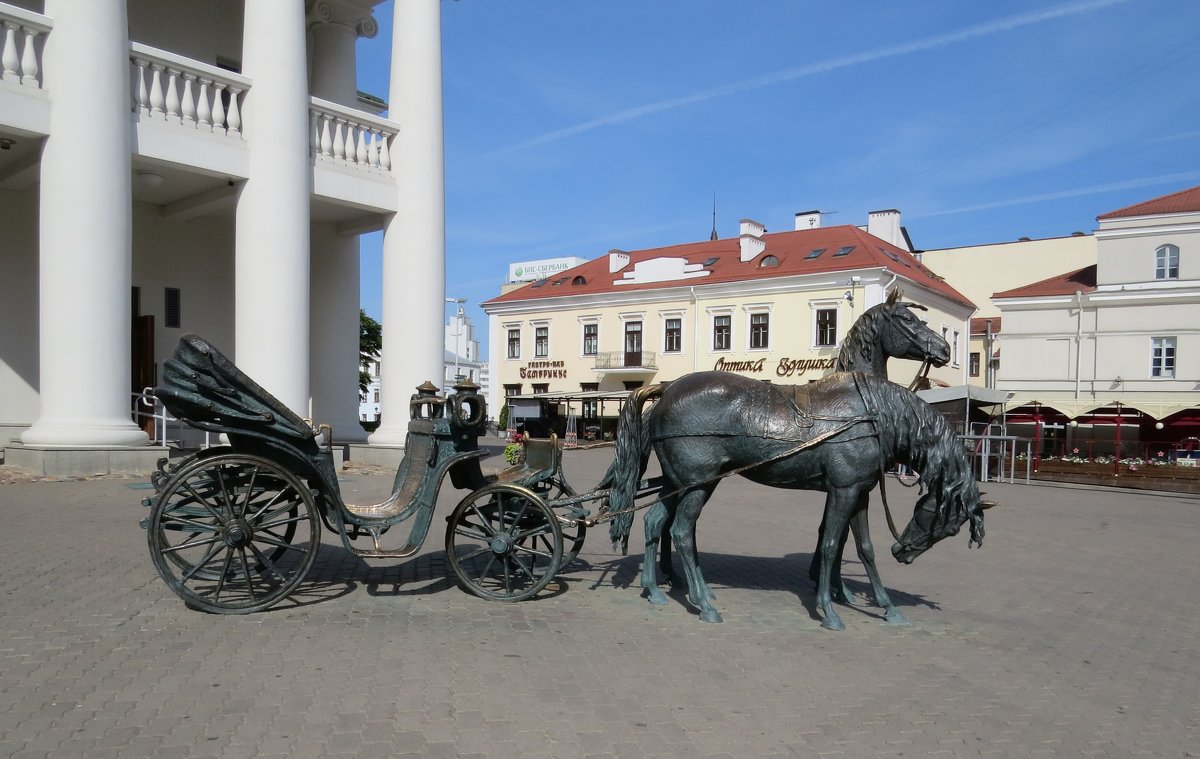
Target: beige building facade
(978,271)
(1118,338)
(772,306)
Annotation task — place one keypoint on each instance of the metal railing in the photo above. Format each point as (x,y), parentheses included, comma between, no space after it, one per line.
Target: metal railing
(618,360)
(147,400)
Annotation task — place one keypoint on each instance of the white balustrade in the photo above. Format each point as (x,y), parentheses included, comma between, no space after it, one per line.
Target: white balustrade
(351,138)
(186,92)
(22,35)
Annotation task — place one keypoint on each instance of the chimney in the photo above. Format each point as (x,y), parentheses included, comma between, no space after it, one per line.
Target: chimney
(750,242)
(617,260)
(886,226)
(808,220)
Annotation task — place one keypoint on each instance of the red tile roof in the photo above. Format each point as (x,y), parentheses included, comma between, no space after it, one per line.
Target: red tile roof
(979,325)
(790,248)
(1083,280)
(1184,201)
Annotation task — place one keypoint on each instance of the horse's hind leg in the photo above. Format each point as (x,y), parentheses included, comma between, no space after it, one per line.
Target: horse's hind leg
(656,518)
(665,567)
(683,532)
(866,553)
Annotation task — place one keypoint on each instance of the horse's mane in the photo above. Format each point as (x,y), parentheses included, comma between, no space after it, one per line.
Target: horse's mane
(917,435)
(859,343)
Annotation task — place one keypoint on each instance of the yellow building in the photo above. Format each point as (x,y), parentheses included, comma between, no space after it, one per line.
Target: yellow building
(773,306)
(977,271)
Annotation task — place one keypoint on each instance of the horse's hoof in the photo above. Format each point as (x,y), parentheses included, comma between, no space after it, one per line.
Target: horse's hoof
(833,622)
(894,617)
(710,615)
(657,597)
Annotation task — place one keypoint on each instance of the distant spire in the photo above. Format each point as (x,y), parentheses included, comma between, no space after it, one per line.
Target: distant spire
(713,236)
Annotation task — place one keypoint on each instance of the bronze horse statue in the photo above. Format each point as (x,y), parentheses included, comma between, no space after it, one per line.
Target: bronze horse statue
(887,330)
(835,435)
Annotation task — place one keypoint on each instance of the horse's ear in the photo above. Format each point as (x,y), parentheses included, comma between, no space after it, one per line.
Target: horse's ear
(893,297)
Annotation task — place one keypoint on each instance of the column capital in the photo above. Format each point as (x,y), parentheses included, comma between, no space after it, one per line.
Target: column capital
(355,15)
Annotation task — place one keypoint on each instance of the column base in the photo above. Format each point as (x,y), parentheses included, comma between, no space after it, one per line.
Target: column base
(60,461)
(53,435)
(389,437)
(377,455)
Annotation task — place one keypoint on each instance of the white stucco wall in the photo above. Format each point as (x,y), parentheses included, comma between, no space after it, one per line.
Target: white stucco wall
(19,404)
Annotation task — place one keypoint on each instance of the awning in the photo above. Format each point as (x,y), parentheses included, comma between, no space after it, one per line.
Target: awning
(1075,407)
(979,396)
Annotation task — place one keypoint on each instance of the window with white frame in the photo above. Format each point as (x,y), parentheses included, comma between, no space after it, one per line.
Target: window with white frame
(760,330)
(514,342)
(673,335)
(591,339)
(1162,357)
(722,332)
(541,341)
(954,349)
(1166,262)
(825,327)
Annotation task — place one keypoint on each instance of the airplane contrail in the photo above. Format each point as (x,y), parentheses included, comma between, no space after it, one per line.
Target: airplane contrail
(928,43)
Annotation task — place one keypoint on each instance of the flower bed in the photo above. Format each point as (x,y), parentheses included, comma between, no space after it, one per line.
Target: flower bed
(1129,473)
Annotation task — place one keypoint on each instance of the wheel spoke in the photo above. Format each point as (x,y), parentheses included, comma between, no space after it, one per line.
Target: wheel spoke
(207,558)
(249,577)
(197,544)
(224,574)
(483,521)
(270,565)
(249,492)
(204,503)
(458,530)
(279,542)
(258,514)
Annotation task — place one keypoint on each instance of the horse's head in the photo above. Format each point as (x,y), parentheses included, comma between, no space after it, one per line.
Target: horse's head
(939,514)
(904,335)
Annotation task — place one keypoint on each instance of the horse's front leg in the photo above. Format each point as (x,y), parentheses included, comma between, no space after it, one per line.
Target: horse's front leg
(837,508)
(656,518)
(866,553)
(841,593)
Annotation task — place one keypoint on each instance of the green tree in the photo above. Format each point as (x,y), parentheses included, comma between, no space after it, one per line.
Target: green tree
(370,344)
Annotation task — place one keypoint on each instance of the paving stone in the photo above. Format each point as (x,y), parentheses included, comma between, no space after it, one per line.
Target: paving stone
(1071,633)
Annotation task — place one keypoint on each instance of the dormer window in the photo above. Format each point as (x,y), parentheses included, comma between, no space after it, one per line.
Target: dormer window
(580,280)
(1166,262)
(769,262)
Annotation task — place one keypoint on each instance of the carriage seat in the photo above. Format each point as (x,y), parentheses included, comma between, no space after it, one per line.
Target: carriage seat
(543,460)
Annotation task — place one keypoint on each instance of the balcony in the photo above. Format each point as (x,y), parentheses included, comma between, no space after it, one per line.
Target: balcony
(188,132)
(620,362)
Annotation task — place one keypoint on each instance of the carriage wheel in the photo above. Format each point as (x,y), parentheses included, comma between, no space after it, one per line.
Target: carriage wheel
(233,534)
(504,543)
(573,533)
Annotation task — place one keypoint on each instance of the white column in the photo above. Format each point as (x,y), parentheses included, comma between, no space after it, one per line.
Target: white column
(271,271)
(333,30)
(335,329)
(414,242)
(85,226)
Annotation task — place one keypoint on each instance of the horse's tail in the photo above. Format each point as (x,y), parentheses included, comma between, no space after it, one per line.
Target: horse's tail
(633,454)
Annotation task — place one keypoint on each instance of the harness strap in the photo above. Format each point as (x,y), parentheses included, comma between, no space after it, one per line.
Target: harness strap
(607,515)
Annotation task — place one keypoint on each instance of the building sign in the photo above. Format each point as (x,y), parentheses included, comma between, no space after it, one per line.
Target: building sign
(544,370)
(787,367)
(528,271)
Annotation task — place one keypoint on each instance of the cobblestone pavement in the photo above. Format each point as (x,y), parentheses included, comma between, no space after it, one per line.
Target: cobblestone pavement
(1071,633)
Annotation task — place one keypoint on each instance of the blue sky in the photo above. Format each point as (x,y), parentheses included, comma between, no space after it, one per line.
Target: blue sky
(576,127)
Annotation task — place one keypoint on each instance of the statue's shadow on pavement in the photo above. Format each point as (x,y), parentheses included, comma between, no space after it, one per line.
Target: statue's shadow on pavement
(721,570)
